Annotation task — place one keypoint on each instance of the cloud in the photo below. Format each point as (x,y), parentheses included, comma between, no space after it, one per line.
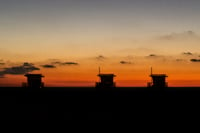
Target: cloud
(155,56)
(56,62)
(19,70)
(195,60)
(158,58)
(125,62)
(152,55)
(70,63)
(65,63)
(187,53)
(100,58)
(48,66)
(184,35)
(27,64)
(180,60)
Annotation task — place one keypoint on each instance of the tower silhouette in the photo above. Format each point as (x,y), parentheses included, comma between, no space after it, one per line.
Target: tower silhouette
(158,80)
(106,80)
(34,80)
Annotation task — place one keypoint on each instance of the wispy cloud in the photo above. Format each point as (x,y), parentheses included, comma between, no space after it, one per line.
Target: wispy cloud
(70,63)
(187,53)
(100,58)
(19,70)
(152,55)
(184,35)
(56,62)
(125,62)
(48,66)
(180,60)
(64,63)
(195,60)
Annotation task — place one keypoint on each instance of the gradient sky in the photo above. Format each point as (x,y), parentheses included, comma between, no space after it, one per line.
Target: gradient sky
(118,35)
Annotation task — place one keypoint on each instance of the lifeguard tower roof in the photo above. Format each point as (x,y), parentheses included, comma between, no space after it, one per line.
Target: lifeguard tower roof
(106,75)
(158,75)
(33,75)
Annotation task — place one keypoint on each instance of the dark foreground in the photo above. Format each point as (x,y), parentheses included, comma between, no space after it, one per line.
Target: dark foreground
(87,103)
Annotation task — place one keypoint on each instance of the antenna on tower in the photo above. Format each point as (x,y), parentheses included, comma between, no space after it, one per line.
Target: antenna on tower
(151,70)
(99,70)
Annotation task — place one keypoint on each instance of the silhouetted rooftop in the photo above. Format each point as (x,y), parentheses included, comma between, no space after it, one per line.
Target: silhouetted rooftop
(158,75)
(103,75)
(34,75)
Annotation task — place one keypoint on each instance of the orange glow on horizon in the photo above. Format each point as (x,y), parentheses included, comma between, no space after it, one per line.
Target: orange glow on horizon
(17,81)
(126,76)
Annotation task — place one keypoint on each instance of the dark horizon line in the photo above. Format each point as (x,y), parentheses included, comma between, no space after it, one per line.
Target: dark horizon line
(95,87)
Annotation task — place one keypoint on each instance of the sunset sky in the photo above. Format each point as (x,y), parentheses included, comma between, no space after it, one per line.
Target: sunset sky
(67,40)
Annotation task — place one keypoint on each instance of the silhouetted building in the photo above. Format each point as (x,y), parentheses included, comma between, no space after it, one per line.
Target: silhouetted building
(34,81)
(106,81)
(158,80)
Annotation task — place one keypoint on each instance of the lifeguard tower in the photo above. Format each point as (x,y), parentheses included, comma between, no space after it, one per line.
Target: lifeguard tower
(106,80)
(34,81)
(158,80)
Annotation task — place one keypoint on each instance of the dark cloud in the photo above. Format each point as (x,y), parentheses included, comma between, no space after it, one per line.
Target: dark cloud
(152,55)
(125,62)
(48,66)
(70,63)
(100,58)
(64,63)
(19,70)
(183,35)
(187,53)
(157,57)
(27,64)
(195,60)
